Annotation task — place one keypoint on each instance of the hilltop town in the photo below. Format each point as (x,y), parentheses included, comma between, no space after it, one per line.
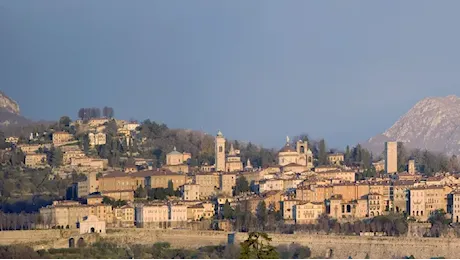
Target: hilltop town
(99,172)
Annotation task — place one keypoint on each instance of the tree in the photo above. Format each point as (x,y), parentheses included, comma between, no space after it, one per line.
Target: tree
(402,157)
(81,113)
(3,144)
(54,157)
(322,152)
(18,252)
(228,212)
(261,214)
(140,192)
(242,185)
(347,155)
(108,112)
(170,189)
(64,122)
(257,246)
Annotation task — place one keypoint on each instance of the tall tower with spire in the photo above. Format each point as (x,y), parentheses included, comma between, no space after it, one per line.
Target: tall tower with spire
(220,152)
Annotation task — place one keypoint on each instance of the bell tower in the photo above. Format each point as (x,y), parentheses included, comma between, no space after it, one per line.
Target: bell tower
(220,152)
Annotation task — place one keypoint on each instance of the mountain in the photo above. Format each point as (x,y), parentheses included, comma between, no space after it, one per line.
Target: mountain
(8,104)
(432,124)
(9,113)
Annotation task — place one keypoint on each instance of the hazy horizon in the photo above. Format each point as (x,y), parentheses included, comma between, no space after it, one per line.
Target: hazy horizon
(256,70)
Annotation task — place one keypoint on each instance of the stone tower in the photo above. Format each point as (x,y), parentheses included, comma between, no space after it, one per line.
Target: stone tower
(391,157)
(411,167)
(220,152)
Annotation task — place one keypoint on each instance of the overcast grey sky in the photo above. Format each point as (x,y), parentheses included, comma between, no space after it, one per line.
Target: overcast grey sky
(257,70)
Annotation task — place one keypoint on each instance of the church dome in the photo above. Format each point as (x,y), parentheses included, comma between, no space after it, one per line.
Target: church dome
(287,148)
(174,152)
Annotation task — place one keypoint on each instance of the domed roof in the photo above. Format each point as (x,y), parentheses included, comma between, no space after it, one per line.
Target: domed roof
(219,133)
(174,151)
(287,148)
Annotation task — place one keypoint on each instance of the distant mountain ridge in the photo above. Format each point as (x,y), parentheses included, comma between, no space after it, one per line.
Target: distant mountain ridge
(8,104)
(432,124)
(10,114)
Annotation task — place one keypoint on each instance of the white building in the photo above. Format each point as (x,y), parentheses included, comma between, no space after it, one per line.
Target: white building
(91,224)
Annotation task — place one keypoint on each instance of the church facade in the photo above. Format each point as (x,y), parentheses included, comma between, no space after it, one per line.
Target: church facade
(300,154)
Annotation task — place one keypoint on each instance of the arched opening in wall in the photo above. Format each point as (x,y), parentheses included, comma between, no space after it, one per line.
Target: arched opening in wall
(372,213)
(71,242)
(92,230)
(397,209)
(457,219)
(309,159)
(302,149)
(81,242)
(220,149)
(348,208)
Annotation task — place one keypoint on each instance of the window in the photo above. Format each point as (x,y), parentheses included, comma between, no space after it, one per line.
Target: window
(220,149)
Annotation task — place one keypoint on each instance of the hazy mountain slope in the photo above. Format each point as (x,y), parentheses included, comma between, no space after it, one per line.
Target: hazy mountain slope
(432,124)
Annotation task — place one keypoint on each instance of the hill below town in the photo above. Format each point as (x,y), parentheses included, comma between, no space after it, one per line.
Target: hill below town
(432,124)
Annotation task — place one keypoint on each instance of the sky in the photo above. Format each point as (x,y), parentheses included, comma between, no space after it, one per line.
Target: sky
(256,70)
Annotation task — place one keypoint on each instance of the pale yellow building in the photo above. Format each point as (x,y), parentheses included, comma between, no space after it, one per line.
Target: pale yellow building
(69,213)
(60,138)
(299,155)
(124,216)
(30,148)
(89,163)
(335,158)
(379,166)
(349,176)
(160,215)
(95,122)
(151,214)
(350,210)
(12,139)
(227,181)
(376,204)
(308,212)
(425,200)
(191,192)
(287,209)
(209,184)
(35,160)
(391,157)
(69,155)
(271,185)
(97,139)
(455,206)
(131,126)
(326,168)
(195,212)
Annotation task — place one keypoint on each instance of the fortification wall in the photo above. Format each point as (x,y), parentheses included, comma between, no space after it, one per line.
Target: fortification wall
(321,245)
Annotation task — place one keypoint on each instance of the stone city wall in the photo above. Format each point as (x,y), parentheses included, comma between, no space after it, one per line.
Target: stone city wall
(321,245)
